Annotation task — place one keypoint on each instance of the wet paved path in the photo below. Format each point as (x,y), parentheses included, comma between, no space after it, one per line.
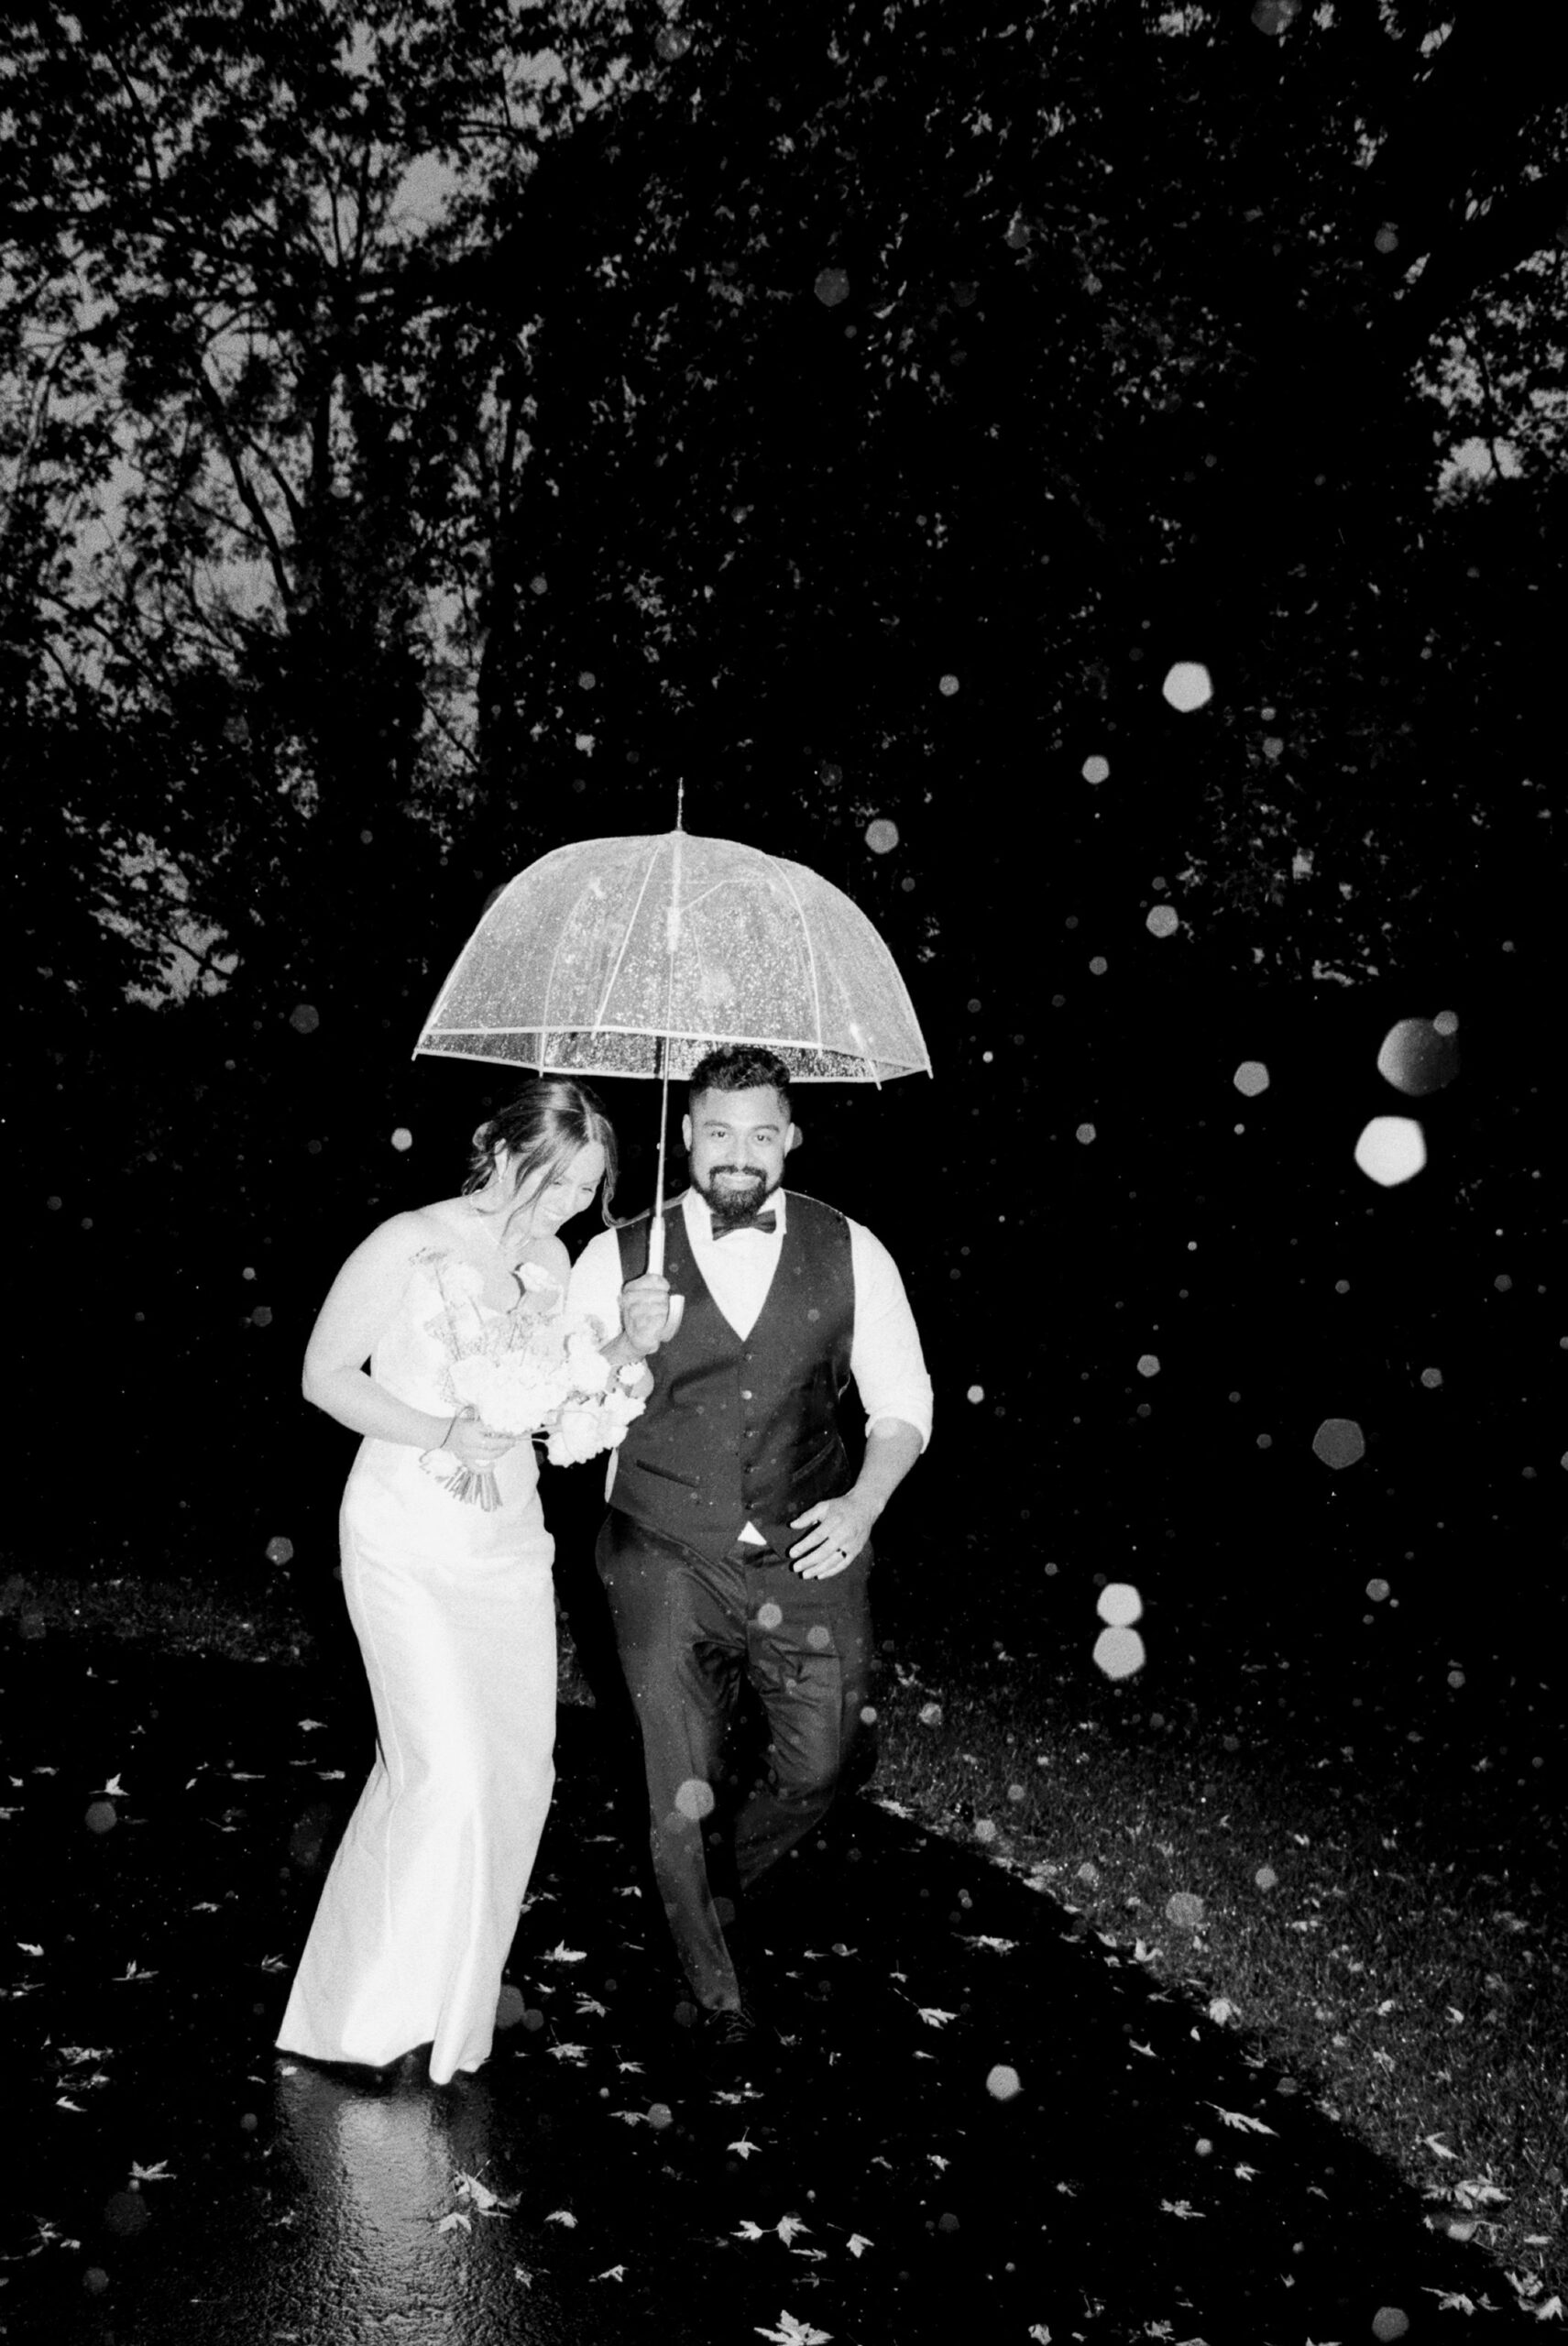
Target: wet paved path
(873,2189)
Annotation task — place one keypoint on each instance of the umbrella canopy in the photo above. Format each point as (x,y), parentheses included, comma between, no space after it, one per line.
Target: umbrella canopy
(635,956)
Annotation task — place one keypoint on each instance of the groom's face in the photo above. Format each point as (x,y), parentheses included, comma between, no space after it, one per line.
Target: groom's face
(737,1143)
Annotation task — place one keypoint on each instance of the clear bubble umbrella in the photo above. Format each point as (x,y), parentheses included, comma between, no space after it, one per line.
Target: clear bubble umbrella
(636,956)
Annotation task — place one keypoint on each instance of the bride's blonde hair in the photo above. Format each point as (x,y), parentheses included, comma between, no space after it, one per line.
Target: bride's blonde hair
(542,1130)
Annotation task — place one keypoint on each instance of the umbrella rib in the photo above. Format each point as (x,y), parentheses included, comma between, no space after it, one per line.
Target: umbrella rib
(625,941)
(810,950)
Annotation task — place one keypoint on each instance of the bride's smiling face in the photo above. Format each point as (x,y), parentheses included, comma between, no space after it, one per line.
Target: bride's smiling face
(553,1196)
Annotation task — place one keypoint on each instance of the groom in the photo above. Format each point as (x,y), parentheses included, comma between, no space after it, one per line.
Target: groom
(736,1546)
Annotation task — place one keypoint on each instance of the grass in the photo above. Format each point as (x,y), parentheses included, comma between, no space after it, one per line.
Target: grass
(1376,1916)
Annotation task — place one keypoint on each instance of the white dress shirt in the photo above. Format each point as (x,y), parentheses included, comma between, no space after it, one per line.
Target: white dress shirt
(886,1359)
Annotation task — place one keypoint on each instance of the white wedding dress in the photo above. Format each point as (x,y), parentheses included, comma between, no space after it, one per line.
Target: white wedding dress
(454,1609)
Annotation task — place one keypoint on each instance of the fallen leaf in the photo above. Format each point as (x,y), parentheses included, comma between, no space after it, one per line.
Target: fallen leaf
(156,2173)
(310,1727)
(27,1947)
(858,2243)
(787,2227)
(562,2216)
(565,1954)
(933,2016)
(749,2230)
(611,2273)
(114,1789)
(1179,2208)
(744,2148)
(791,2332)
(1435,2143)
(1239,2118)
(454,2220)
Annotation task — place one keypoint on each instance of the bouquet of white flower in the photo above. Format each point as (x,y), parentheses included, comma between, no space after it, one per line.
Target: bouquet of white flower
(531,1376)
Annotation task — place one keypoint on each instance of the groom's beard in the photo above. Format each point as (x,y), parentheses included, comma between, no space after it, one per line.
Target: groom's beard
(732,1202)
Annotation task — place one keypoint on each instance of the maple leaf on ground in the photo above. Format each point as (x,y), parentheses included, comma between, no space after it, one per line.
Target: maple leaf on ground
(561,1953)
(156,2173)
(488,2202)
(749,2230)
(858,2243)
(586,2004)
(309,1726)
(934,2016)
(1436,2144)
(1238,2117)
(456,2220)
(611,2273)
(744,2148)
(61,2102)
(1182,2208)
(630,2068)
(568,2052)
(791,2332)
(993,1945)
(27,1947)
(562,2216)
(1248,2173)
(787,2227)
(114,1789)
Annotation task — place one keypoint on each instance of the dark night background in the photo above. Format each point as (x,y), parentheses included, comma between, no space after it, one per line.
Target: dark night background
(851,412)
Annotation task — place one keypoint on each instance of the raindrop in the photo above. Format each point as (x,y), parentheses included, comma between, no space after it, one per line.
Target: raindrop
(1204,2147)
(1149,1363)
(1456,1678)
(1388,2322)
(832,287)
(819,1636)
(1119,1653)
(102,1816)
(54,1204)
(868,1714)
(1120,1604)
(1085,1134)
(931,1715)
(1003,2082)
(126,2213)
(279,1551)
(1187,685)
(304,1018)
(659,2114)
(1432,1379)
(1387,238)
(510,2006)
(1273,16)
(262,1316)
(1163,921)
(1273,746)
(949,685)
(1445,1023)
(975,1393)
(539,584)
(402,1139)
(1250,1077)
(1098,967)
(984,1829)
(1391,1149)
(694,1801)
(1339,1441)
(1416,1059)
(1265,1878)
(94,2280)
(1185,1909)
(768,1614)
(1378,1590)
(1096,769)
(881,835)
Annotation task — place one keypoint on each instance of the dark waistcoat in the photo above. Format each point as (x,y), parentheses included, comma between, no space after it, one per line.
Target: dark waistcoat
(742,1429)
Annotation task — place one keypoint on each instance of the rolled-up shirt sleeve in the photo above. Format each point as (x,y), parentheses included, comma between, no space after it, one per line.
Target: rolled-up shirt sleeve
(595,1285)
(885,1358)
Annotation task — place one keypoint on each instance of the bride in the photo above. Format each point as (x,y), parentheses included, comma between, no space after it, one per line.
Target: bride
(452,1603)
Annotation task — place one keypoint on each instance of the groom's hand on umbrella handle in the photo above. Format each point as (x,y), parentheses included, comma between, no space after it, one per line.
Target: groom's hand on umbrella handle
(648,1312)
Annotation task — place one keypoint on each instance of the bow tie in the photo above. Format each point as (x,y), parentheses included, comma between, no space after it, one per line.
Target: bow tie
(767,1220)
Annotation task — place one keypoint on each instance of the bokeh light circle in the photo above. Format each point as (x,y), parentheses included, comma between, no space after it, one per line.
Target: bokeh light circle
(1120,1603)
(1187,685)
(1391,1149)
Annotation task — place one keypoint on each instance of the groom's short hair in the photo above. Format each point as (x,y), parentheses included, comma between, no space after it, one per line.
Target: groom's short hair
(739,1067)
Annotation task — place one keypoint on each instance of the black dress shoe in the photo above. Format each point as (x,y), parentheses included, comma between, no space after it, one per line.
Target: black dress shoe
(732,2041)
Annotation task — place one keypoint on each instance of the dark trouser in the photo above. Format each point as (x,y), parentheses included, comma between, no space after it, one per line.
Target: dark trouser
(687,1631)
